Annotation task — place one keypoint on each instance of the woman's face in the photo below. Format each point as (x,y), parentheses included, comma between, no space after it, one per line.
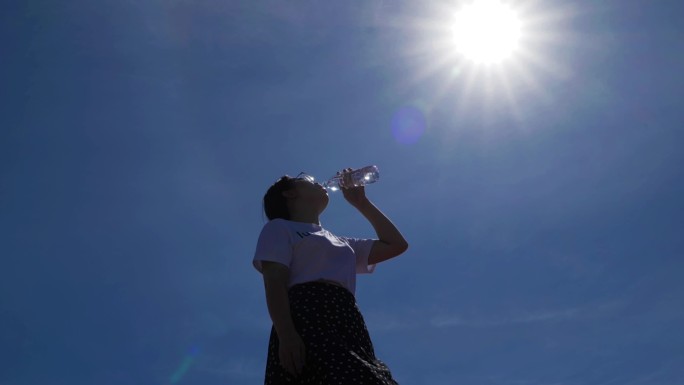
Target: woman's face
(311,192)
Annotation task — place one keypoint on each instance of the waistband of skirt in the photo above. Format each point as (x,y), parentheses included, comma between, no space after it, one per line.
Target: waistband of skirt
(321,285)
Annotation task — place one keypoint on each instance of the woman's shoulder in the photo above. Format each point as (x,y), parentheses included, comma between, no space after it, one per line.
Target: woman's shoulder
(276,228)
(276,222)
(279,224)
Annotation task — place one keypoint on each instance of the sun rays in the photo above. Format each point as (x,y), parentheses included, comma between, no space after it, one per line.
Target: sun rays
(485,53)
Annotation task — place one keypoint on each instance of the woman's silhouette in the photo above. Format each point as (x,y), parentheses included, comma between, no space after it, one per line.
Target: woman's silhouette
(319,335)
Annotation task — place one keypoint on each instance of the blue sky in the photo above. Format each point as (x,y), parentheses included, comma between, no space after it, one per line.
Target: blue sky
(542,200)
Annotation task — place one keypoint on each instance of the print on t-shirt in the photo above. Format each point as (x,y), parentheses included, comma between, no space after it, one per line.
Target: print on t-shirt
(314,254)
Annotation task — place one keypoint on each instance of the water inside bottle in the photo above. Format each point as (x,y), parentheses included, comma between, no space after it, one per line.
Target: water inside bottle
(359,177)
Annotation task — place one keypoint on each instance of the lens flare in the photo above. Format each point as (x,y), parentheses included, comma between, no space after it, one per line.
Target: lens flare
(185,365)
(408,125)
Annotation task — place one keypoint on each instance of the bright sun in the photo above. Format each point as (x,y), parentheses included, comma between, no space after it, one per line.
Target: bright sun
(481,59)
(486,31)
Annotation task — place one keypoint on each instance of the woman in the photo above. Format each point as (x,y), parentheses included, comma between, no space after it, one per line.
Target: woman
(319,335)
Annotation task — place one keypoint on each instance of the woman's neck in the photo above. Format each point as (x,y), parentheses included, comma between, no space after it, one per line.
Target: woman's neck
(306,218)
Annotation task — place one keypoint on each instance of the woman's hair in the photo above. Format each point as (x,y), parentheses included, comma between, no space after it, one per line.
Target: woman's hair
(275,204)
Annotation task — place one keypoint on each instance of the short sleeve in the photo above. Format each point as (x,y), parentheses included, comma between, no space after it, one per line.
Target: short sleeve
(362,248)
(273,245)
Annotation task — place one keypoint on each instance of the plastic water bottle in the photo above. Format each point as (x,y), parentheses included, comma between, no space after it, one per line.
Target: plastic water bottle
(359,177)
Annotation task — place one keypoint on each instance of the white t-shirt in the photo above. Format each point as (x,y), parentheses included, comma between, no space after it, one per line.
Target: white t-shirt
(312,252)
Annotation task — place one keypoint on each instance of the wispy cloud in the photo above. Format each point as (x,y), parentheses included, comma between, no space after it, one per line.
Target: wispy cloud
(667,370)
(538,316)
(231,368)
(380,321)
(543,315)
(265,21)
(384,321)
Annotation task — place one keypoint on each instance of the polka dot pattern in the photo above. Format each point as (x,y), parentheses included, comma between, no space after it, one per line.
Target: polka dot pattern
(339,350)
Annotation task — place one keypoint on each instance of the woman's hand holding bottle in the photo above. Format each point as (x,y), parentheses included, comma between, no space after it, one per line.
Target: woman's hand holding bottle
(355,195)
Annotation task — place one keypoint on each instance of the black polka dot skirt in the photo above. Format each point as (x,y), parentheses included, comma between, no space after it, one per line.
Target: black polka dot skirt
(338,347)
